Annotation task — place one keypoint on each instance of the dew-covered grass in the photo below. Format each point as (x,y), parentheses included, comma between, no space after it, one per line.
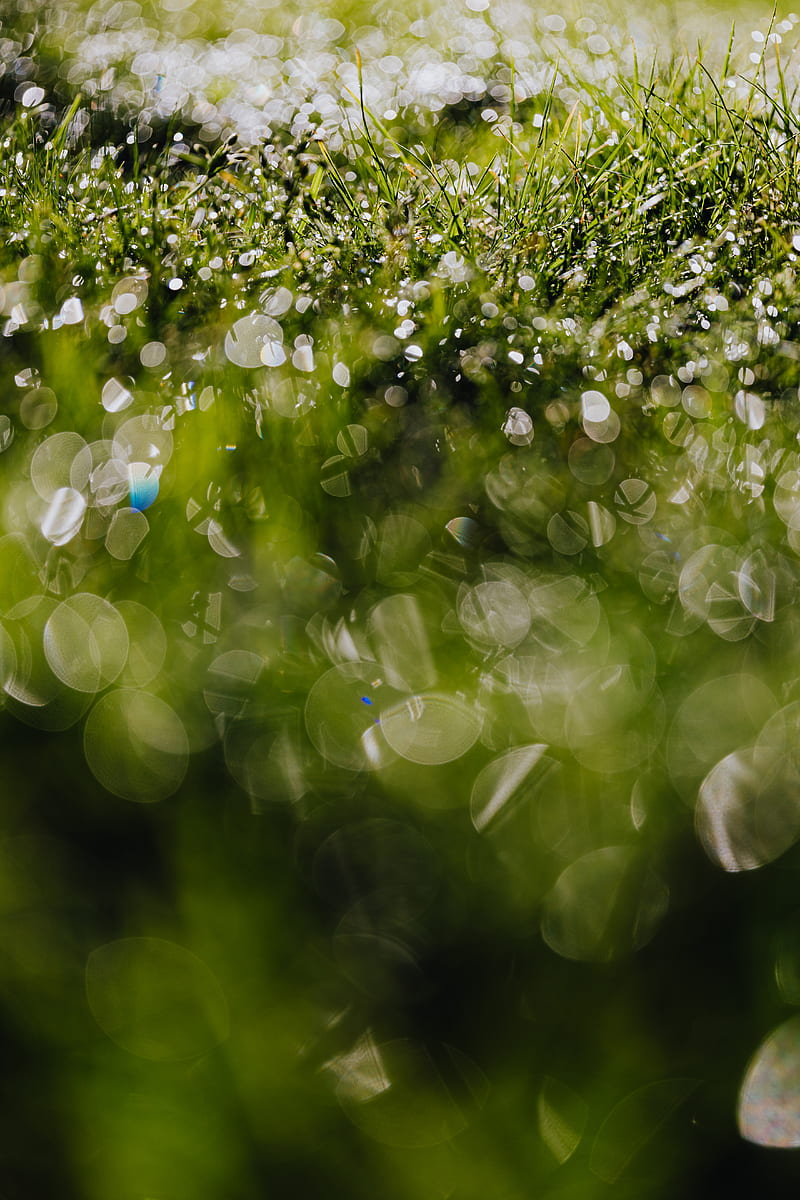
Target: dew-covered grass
(399,650)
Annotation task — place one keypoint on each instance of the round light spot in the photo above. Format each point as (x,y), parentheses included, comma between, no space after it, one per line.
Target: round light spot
(769,1113)
(52,461)
(635,501)
(343,716)
(504,783)
(156,999)
(85,642)
(251,335)
(567,533)
(495,612)
(697,401)
(152,354)
(748,811)
(136,746)
(603,906)
(64,516)
(147,643)
(400,1094)
(665,391)
(115,397)
(590,462)
(431,728)
(518,427)
(38,407)
(128,529)
(129,294)
(595,407)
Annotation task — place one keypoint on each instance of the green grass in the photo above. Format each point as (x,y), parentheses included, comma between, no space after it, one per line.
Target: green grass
(398,642)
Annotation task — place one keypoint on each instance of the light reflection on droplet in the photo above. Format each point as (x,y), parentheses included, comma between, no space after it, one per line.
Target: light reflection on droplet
(635,501)
(748,812)
(665,391)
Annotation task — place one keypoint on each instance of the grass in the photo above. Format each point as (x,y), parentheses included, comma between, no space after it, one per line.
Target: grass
(399,657)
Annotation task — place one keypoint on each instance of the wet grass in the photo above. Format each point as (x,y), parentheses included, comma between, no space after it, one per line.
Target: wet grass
(399,534)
